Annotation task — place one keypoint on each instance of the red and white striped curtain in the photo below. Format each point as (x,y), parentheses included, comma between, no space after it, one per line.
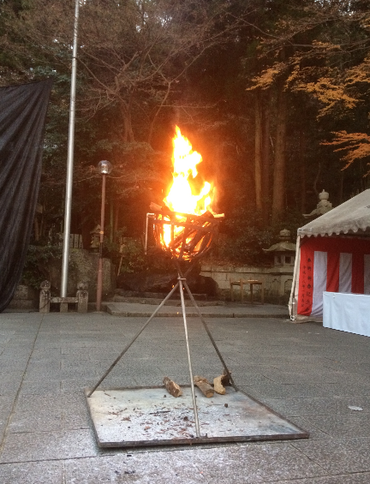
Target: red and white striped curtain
(331,264)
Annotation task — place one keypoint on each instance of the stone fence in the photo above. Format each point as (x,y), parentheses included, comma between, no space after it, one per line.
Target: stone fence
(277,281)
(83,266)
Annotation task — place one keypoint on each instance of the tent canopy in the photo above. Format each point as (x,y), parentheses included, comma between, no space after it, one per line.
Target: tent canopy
(349,217)
(332,255)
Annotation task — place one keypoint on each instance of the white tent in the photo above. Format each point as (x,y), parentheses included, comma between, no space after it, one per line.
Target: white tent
(332,254)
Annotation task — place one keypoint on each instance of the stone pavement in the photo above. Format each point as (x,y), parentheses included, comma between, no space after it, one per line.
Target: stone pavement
(315,377)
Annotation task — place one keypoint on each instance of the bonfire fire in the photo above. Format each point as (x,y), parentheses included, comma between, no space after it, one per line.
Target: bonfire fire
(185,225)
(182,196)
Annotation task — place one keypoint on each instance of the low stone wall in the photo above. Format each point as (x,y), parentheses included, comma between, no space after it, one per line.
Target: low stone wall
(277,280)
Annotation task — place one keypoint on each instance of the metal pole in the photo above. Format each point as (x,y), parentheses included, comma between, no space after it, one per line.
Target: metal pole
(134,339)
(195,408)
(292,304)
(69,180)
(209,335)
(99,285)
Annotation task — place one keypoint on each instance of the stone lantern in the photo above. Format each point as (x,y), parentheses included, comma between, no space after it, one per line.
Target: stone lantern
(322,207)
(95,237)
(283,251)
(281,274)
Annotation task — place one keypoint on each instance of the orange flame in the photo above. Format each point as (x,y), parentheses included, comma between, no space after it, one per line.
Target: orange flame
(181,197)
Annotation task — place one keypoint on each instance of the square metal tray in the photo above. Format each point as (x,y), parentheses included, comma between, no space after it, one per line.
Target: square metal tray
(150,416)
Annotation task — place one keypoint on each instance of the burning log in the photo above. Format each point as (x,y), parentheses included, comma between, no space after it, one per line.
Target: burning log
(172,387)
(204,386)
(154,207)
(163,209)
(186,236)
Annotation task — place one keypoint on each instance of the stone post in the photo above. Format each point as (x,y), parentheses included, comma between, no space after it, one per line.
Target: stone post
(82,297)
(63,306)
(45,296)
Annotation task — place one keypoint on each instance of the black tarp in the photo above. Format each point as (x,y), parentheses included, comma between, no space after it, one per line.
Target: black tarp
(22,120)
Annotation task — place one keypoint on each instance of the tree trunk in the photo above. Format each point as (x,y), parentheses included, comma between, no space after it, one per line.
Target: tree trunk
(116,216)
(128,133)
(156,114)
(36,229)
(278,195)
(111,220)
(302,165)
(258,152)
(266,161)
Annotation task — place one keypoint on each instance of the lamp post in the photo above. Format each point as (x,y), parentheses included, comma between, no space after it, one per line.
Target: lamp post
(104,168)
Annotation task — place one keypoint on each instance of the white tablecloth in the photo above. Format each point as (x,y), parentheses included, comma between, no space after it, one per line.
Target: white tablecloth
(347,312)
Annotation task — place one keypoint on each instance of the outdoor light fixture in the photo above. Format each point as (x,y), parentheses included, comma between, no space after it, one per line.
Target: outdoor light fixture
(104,168)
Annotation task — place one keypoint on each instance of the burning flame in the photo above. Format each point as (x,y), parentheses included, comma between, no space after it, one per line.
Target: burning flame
(185,230)
(181,197)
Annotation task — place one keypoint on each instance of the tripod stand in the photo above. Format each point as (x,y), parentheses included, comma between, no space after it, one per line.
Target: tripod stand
(180,285)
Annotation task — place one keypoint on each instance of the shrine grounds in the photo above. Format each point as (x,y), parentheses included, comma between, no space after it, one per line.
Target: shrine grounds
(317,378)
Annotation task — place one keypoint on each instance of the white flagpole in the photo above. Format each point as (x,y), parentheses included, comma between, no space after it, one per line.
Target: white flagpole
(69,180)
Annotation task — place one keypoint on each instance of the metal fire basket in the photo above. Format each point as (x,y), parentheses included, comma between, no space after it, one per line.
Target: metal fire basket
(186,236)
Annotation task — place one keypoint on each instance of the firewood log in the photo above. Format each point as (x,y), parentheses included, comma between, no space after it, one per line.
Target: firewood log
(159,208)
(172,387)
(204,386)
(154,207)
(217,385)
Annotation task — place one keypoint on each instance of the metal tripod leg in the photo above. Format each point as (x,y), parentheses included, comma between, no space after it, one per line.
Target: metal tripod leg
(181,284)
(195,408)
(133,340)
(209,334)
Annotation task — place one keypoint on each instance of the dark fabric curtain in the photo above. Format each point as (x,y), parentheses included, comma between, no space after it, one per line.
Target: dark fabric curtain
(22,120)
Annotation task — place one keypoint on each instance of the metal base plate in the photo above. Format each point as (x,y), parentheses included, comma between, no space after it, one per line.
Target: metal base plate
(150,416)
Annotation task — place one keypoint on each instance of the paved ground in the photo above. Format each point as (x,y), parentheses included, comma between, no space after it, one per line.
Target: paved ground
(315,377)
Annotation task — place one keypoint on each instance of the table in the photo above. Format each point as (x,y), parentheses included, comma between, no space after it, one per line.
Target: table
(251,283)
(347,312)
